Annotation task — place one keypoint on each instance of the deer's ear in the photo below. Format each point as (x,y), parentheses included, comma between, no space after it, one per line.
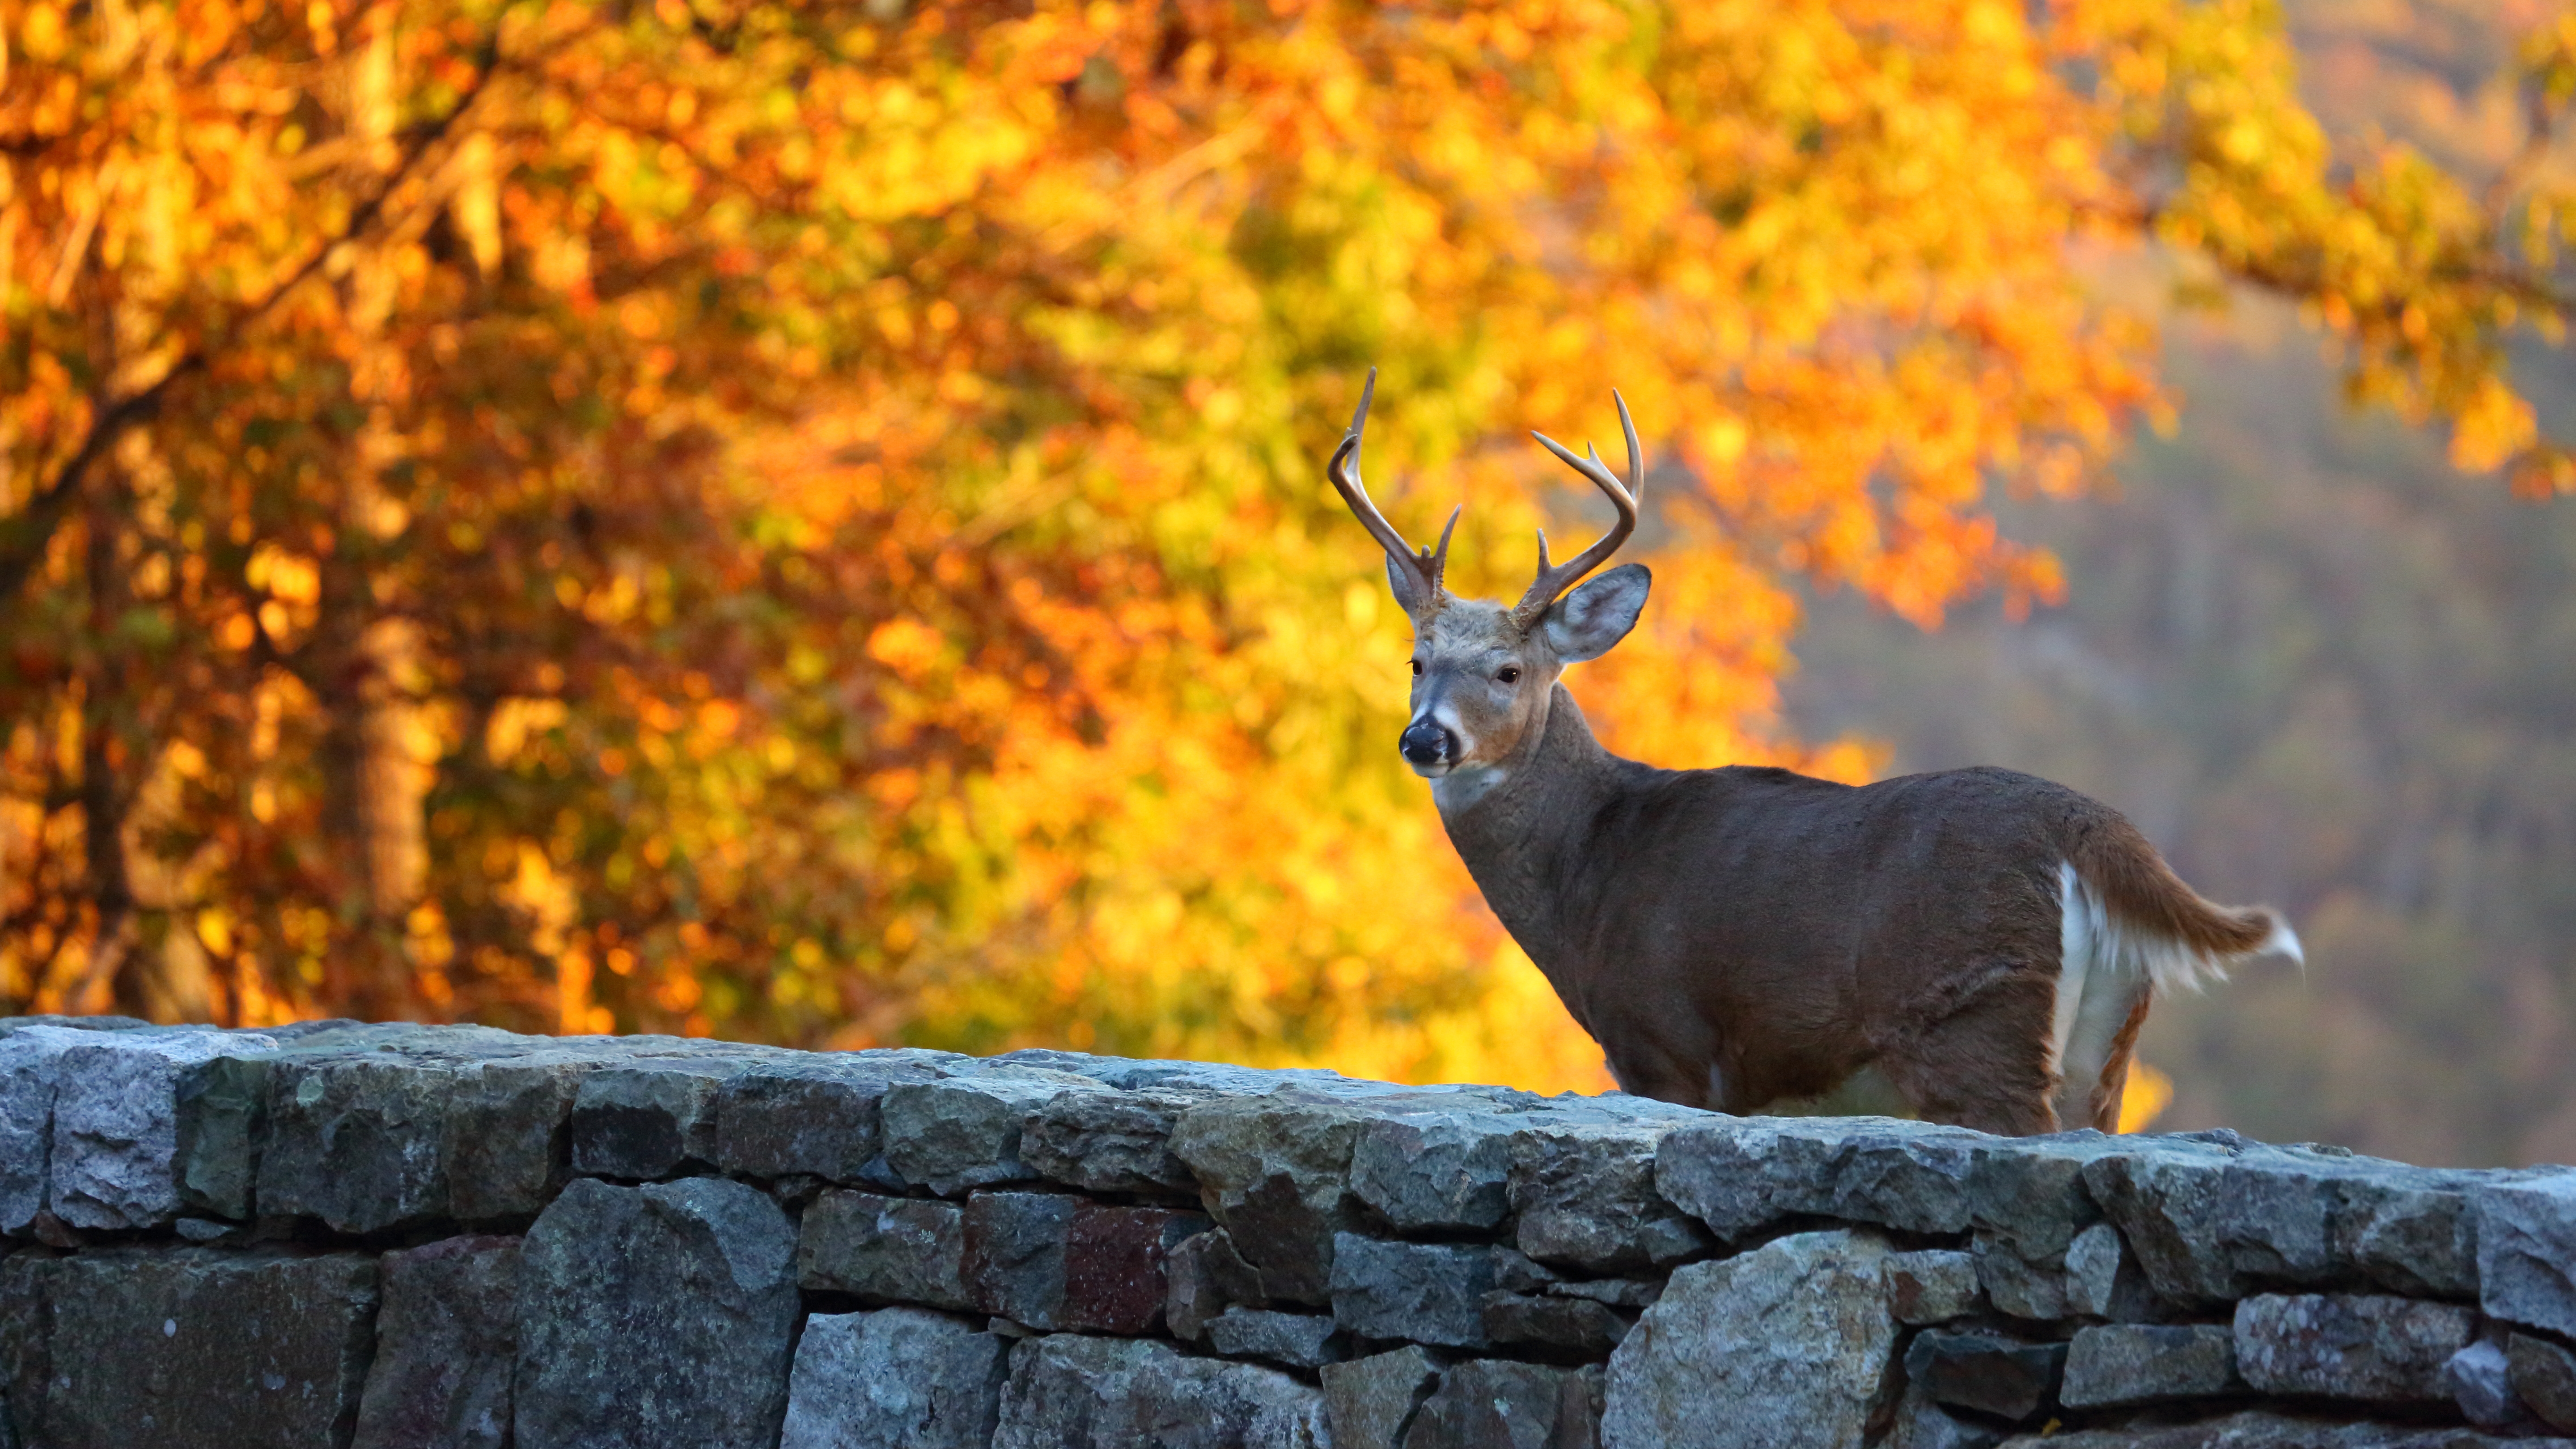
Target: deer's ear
(1585,623)
(1407,588)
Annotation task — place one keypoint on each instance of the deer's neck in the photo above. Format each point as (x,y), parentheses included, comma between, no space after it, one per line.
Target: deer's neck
(1519,826)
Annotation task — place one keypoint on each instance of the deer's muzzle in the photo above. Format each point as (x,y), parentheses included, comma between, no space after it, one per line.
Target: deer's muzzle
(1428,744)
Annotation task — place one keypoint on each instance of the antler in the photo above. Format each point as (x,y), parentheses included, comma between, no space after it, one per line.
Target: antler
(1425,567)
(1556,579)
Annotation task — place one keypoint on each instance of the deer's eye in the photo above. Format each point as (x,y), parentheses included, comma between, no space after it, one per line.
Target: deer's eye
(1511,674)
(1417,669)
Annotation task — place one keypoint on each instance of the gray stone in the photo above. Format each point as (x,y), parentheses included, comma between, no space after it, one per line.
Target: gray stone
(355,1141)
(1933,1285)
(1985,1372)
(1015,1255)
(115,1160)
(1435,1171)
(2212,1220)
(655,1316)
(2526,1237)
(1110,1141)
(1741,1175)
(1422,1292)
(649,1119)
(2102,1280)
(1586,1198)
(445,1343)
(2263,1429)
(2120,1365)
(1204,1277)
(2030,1192)
(1616,1292)
(181,1348)
(30,1057)
(1493,1404)
(966,1132)
(1069,1391)
(1370,1402)
(2481,1382)
(1272,1170)
(1577,1325)
(2544,1376)
(886,1249)
(1923,1424)
(898,1378)
(222,1108)
(506,1140)
(1783,1347)
(1299,1340)
(816,1118)
(2376,1349)
(1117,1265)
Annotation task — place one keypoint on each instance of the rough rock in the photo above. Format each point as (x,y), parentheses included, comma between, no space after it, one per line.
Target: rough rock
(1436,1171)
(29,1059)
(2118,1365)
(222,1110)
(2526,1242)
(2373,1348)
(1116,1275)
(2212,1218)
(1068,1391)
(888,1249)
(1922,1424)
(187,1347)
(1204,1277)
(1370,1402)
(1299,1340)
(2544,1376)
(115,1158)
(506,1137)
(655,1317)
(2480,1379)
(355,1141)
(1424,1292)
(2004,1377)
(446,1339)
(1272,1171)
(1933,1285)
(649,1119)
(1616,1292)
(1110,1141)
(1497,1404)
(2262,1429)
(1586,1198)
(816,1118)
(965,1132)
(2102,1279)
(1015,1254)
(1741,1175)
(1783,1347)
(1579,1325)
(897,1378)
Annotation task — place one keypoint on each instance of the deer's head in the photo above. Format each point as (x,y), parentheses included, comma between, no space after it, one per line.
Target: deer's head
(1482,673)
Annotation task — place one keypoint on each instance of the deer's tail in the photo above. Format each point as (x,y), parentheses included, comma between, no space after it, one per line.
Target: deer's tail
(2139,919)
(2130,930)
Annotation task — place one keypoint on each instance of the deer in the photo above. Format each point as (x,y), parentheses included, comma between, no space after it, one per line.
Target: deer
(1740,936)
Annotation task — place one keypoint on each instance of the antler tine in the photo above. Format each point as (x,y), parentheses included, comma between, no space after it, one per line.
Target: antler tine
(1555,579)
(1426,566)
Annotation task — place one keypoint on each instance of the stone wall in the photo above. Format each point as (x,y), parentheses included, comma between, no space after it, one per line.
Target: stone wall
(337,1234)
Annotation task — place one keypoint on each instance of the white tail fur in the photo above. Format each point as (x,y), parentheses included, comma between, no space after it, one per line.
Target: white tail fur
(2104,961)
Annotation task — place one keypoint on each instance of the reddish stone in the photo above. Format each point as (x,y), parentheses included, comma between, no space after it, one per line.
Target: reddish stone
(1114,1265)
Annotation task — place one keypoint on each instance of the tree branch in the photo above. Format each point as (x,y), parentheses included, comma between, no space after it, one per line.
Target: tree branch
(24,538)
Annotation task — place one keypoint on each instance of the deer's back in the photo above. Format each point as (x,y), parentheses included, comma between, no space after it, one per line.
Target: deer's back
(1794,912)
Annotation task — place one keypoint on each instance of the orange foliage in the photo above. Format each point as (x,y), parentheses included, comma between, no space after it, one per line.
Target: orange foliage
(823,497)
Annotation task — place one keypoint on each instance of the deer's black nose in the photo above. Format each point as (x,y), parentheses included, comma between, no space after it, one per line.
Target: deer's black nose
(1426,743)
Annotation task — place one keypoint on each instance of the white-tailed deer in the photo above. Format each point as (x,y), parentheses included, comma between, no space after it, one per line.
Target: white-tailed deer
(1733,937)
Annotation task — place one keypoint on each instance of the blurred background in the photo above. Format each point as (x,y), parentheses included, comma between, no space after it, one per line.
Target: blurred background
(803,521)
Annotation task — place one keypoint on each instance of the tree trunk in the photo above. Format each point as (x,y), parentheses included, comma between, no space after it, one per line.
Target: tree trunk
(111,889)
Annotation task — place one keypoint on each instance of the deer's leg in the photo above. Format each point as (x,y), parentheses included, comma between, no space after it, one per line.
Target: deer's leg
(1985,1064)
(2111,1084)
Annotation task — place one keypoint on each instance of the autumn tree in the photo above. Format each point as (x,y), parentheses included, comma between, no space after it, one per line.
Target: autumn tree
(801,520)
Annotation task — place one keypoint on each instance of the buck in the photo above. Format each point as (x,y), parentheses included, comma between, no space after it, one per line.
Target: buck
(1732,937)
